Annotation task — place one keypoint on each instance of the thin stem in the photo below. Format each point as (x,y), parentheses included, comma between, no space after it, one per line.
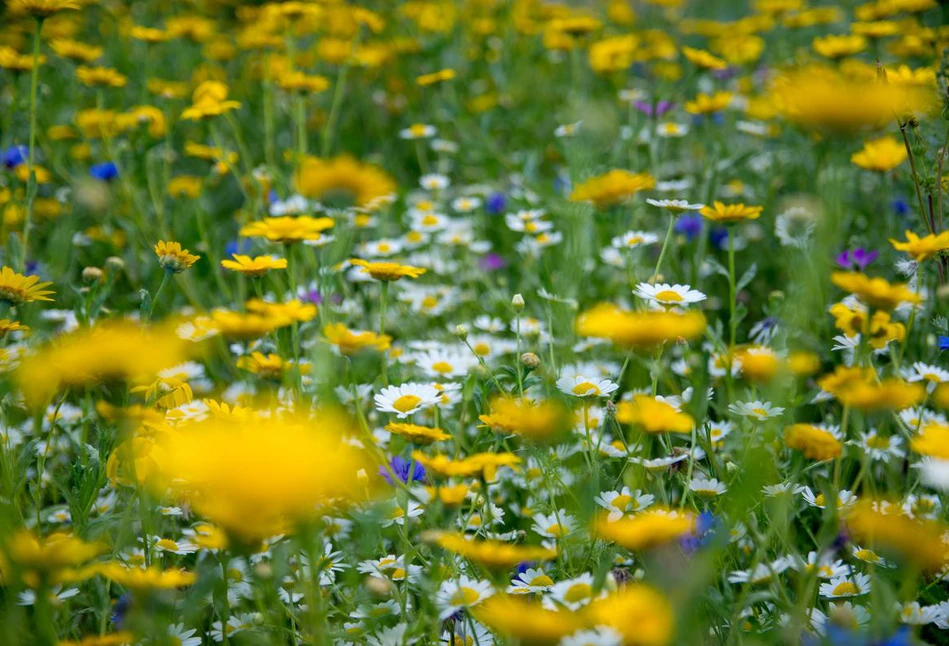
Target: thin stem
(732,296)
(164,280)
(665,245)
(383,299)
(31,163)
(334,110)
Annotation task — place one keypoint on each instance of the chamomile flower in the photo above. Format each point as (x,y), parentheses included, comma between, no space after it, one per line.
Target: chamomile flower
(634,239)
(620,503)
(407,399)
(706,487)
(845,586)
(183,637)
(434,182)
(454,596)
(668,295)
(879,447)
(844,498)
(583,386)
(466,204)
(445,364)
(675,207)
(556,525)
(531,581)
(757,410)
(574,593)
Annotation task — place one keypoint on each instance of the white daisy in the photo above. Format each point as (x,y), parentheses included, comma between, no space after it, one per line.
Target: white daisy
(464,593)
(669,295)
(844,498)
(418,131)
(599,636)
(556,525)
(633,239)
(843,586)
(675,206)
(574,593)
(465,204)
(434,182)
(531,581)
(181,637)
(623,502)
(444,364)
(706,487)
(406,399)
(881,448)
(758,410)
(583,386)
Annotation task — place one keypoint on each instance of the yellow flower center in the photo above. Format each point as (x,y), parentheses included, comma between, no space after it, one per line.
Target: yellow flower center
(556,530)
(634,240)
(414,236)
(464,597)
(530,227)
(405,403)
(398,574)
(541,580)
(877,442)
(669,296)
(482,349)
(398,512)
(866,555)
(622,501)
(846,588)
(578,592)
(442,367)
(429,302)
(417,129)
(384,247)
(430,220)
(819,500)
(167,544)
(759,411)
(929,376)
(586,388)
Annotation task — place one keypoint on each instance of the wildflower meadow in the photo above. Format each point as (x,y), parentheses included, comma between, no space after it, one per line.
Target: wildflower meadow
(474,322)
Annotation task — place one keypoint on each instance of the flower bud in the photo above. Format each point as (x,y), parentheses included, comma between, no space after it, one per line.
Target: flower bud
(114,263)
(517,303)
(461,331)
(530,361)
(92,275)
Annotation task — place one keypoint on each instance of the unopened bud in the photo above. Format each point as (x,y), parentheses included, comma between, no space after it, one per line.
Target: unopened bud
(378,585)
(92,275)
(530,361)
(461,331)
(517,303)
(114,263)
(263,570)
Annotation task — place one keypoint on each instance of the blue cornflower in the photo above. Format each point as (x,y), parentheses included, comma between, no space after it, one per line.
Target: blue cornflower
(690,225)
(15,155)
(106,171)
(495,203)
(943,342)
(718,237)
(120,609)
(401,468)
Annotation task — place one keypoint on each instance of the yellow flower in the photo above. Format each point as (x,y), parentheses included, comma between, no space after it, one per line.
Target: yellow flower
(479,464)
(490,553)
(881,155)
(536,421)
(856,388)
(286,474)
(7,326)
(286,229)
(149,34)
(918,541)
(185,186)
(804,363)
(435,77)
(932,441)
(48,559)
(11,59)
(875,292)
(173,258)
(257,266)
(75,50)
(297,81)
(653,416)
(387,271)
(815,443)
(642,615)
(343,181)
(17,289)
(293,311)
(239,326)
(645,530)
(612,54)
(141,579)
(827,99)
(101,76)
(269,366)
(417,434)
(738,49)
(922,248)
(729,213)
(832,46)
(702,58)
(708,104)
(42,8)
(525,621)
(612,188)
(640,330)
(209,100)
(352,341)
(110,351)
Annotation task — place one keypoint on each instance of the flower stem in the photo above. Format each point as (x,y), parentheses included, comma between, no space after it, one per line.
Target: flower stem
(31,186)
(665,245)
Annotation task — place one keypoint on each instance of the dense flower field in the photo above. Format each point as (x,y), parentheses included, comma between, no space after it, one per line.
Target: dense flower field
(474,322)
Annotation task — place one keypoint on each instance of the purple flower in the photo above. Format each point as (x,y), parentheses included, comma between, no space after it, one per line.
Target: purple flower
(689,225)
(857,258)
(313,296)
(495,203)
(404,470)
(654,110)
(491,262)
(15,155)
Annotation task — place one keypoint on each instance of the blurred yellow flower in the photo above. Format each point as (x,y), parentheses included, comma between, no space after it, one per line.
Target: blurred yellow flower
(612,188)
(257,266)
(728,213)
(881,155)
(922,249)
(350,342)
(387,271)
(343,181)
(640,330)
(708,104)
(533,420)
(815,443)
(653,415)
(492,554)
(287,229)
(702,58)
(645,530)
(875,292)
(209,100)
